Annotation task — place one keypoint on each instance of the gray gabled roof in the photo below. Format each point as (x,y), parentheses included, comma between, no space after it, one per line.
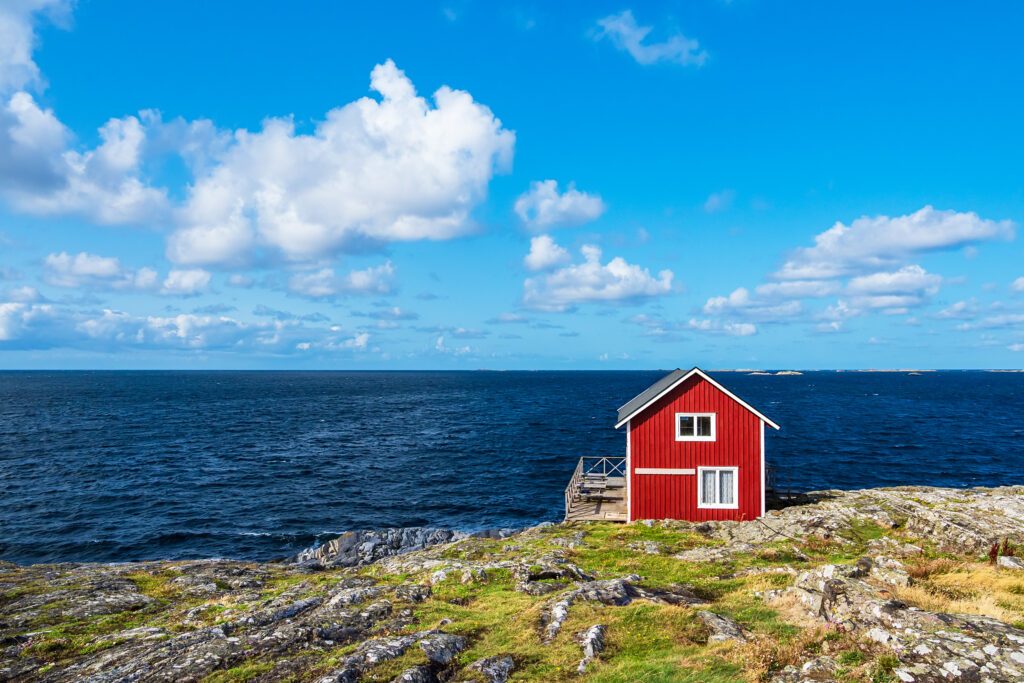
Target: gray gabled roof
(652,393)
(645,396)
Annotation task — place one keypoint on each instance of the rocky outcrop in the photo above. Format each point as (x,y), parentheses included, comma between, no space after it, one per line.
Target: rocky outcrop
(592,642)
(355,548)
(617,592)
(722,628)
(494,669)
(930,646)
(959,520)
(425,610)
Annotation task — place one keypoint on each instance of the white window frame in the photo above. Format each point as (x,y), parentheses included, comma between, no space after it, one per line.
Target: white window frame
(714,427)
(735,488)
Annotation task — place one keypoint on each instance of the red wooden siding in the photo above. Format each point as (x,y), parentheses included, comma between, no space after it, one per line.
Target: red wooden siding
(653,444)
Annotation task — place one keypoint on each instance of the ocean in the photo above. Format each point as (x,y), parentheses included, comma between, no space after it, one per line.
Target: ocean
(118,466)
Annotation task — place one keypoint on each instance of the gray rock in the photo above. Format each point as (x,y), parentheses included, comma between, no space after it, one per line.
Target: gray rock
(722,628)
(355,548)
(494,669)
(593,645)
(474,575)
(713,554)
(441,648)
(1010,562)
(417,674)
(413,592)
(890,572)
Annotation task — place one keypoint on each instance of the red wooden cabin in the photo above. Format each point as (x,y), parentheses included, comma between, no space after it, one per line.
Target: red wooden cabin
(694,451)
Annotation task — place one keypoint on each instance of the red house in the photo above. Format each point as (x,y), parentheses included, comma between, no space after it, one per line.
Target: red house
(694,451)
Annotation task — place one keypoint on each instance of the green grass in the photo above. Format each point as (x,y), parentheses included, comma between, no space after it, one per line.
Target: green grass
(645,641)
(240,673)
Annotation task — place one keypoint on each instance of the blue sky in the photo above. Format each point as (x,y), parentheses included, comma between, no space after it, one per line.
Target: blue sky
(515,185)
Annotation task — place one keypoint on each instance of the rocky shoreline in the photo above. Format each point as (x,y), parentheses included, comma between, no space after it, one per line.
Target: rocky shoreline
(355,548)
(899,584)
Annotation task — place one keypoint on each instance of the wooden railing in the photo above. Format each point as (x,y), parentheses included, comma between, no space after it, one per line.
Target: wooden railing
(591,467)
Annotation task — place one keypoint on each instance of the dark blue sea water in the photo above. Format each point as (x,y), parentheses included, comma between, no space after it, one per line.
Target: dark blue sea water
(118,466)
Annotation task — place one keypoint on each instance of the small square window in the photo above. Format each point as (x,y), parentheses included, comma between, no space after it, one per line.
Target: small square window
(695,426)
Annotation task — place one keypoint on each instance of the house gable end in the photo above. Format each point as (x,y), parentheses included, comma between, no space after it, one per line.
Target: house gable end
(667,385)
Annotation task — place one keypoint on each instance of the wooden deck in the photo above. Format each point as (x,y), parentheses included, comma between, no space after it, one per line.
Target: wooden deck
(597,491)
(609,507)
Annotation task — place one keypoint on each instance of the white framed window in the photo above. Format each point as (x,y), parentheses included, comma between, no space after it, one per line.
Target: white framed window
(695,426)
(718,487)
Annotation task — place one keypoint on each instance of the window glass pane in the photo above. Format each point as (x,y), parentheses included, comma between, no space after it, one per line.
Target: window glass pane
(708,487)
(726,481)
(704,425)
(686,425)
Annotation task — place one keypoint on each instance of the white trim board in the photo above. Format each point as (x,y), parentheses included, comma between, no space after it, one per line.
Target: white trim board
(629,473)
(764,475)
(664,470)
(703,375)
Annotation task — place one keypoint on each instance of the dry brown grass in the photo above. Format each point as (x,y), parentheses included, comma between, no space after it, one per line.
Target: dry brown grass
(763,657)
(966,588)
(922,568)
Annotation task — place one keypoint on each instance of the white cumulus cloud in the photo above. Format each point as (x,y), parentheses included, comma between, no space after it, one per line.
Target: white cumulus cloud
(543,207)
(545,253)
(593,281)
(18,39)
(189,282)
(395,169)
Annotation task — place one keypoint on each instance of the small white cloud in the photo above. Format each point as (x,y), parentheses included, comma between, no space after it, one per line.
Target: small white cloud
(325,284)
(961,310)
(24,295)
(623,31)
(391,313)
(508,319)
(241,281)
(85,270)
(719,201)
(545,254)
(879,242)
(186,282)
(360,341)
(591,281)
(543,207)
(907,280)
(740,304)
(1018,285)
(1002,320)
(797,289)
(735,329)
(1016,348)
